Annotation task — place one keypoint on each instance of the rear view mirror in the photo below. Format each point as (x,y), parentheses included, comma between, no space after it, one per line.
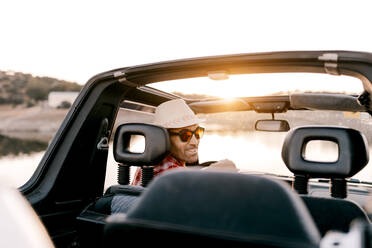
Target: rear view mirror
(272,125)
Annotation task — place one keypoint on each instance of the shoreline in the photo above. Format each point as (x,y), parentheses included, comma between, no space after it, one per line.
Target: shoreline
(35,123)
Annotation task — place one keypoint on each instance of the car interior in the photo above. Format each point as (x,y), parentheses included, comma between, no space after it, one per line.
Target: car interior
(325,211)
(196,206)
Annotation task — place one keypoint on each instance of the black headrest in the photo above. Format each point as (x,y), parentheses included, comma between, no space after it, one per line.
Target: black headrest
(225,206)
(352,144)
(157,144)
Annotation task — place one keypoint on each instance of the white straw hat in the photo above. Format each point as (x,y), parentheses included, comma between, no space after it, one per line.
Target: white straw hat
(175,114)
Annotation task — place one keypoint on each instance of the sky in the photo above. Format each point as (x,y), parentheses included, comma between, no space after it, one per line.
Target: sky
(75,40)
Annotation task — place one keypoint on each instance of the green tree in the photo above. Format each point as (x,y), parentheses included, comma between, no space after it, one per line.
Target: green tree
(37,90)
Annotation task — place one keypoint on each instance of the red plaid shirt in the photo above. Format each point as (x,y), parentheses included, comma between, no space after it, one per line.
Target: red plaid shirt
(167,164)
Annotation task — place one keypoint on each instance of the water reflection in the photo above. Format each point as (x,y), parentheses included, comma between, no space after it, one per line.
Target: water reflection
(16,170)
(19,159)
(250,151)
(15,146)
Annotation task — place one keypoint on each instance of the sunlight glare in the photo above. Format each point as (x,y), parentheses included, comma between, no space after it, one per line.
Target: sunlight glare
(263,84)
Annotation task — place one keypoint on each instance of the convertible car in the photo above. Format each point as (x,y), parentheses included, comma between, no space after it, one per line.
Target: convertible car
(296,126)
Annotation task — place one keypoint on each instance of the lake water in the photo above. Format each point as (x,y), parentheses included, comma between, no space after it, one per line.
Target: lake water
(250,151)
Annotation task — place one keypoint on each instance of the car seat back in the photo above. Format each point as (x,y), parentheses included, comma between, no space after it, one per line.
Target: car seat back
(333,214)
(328,213)
(214,209)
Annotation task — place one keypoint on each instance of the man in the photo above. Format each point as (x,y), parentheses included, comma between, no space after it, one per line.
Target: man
(184,132)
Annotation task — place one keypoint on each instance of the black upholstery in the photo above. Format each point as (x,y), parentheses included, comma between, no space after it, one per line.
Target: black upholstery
(157,147)
(215,209)
(352,144)
(91,221)
(328,213)
(123,197)
(157,144)
(333,214)
(125,189)
(104,204)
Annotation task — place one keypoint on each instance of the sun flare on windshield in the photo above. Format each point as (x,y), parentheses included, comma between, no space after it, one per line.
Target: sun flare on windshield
(261,85)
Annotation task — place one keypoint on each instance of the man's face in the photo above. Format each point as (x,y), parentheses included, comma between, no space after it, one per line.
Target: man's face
(184,151)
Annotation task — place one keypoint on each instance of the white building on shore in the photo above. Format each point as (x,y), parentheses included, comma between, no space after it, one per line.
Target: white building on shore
(56,98)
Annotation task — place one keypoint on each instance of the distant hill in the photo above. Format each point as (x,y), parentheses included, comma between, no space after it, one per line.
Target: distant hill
(192,96)
(19,88)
